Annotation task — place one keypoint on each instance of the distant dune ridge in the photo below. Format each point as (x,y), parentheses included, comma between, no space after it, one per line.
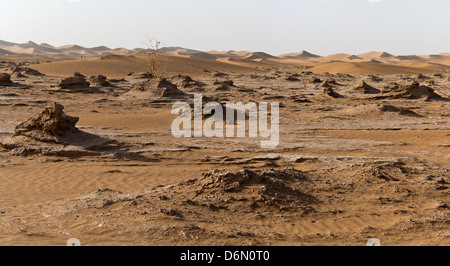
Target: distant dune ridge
(5,52)
(374,62)
(376,55)
(302,55)
(32,48)
(259,55)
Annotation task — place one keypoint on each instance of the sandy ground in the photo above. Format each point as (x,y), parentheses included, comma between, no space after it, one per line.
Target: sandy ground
(348,168)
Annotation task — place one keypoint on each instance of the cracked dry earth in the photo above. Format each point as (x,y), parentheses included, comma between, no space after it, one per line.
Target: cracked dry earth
(350,165)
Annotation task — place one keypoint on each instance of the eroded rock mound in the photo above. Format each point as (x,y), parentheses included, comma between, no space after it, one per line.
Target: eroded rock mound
(326,84)
(75,82)
(329,83)
(78,74)
(328,91)
(399,110)
(100,80)
(379,109)
(375,78)
(49,126)
(293,78)
(219,74)
(158,88)
(316,81)
(26,71)
(365,88)
(411,91)
(225,85)
(274,187)
(185,82)
(5,79)
(18,75)
(53,133)
(422,76)
(141,75)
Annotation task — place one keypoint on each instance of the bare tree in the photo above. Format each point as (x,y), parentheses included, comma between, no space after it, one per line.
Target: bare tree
(304,77)
(154,57)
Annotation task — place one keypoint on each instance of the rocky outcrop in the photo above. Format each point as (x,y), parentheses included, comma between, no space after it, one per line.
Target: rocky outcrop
(186,82)
(53,133)
(26,71)
(75,82)
(365,88)
(49,126)
(5,79)
(410,91)
(328,91)
(158,88)
(100,81)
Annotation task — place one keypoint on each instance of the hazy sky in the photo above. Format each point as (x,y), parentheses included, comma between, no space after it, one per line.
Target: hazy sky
(275,26)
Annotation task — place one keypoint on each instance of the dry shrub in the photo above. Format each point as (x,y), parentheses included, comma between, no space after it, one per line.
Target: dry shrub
(155,59)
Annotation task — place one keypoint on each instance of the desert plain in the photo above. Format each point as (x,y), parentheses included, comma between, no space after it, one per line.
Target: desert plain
(87,152)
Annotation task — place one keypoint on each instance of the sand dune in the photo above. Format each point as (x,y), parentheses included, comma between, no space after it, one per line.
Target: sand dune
(302,55)
(178,51)
(72,50)
(204,55)
(253,63)
(428,65)
(221,54)
(5,43)
(102,62)
(187,52)
(5,52)
(76,50)
(71,47)
(364,63)
(240,53)
(410,57)
(119,66)
(32,48)
(29,48)
(100,49)
(258,55)
(368,68)
(375,55)
(354,57)
(113,65)
(47,45)
(438,57)
(336,57)
(369,60)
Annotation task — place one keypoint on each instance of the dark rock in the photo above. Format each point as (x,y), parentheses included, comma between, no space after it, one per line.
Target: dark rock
(78,74)
(27,71)
(161,88)
(143,75)
(5,78)
(75,82)
(48,126)
(365,88)
(316,80)
(225,83)
(411,91)
(330,92)
(100,80)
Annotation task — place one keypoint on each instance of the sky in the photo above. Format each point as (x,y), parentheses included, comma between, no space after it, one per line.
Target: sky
(322,27)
